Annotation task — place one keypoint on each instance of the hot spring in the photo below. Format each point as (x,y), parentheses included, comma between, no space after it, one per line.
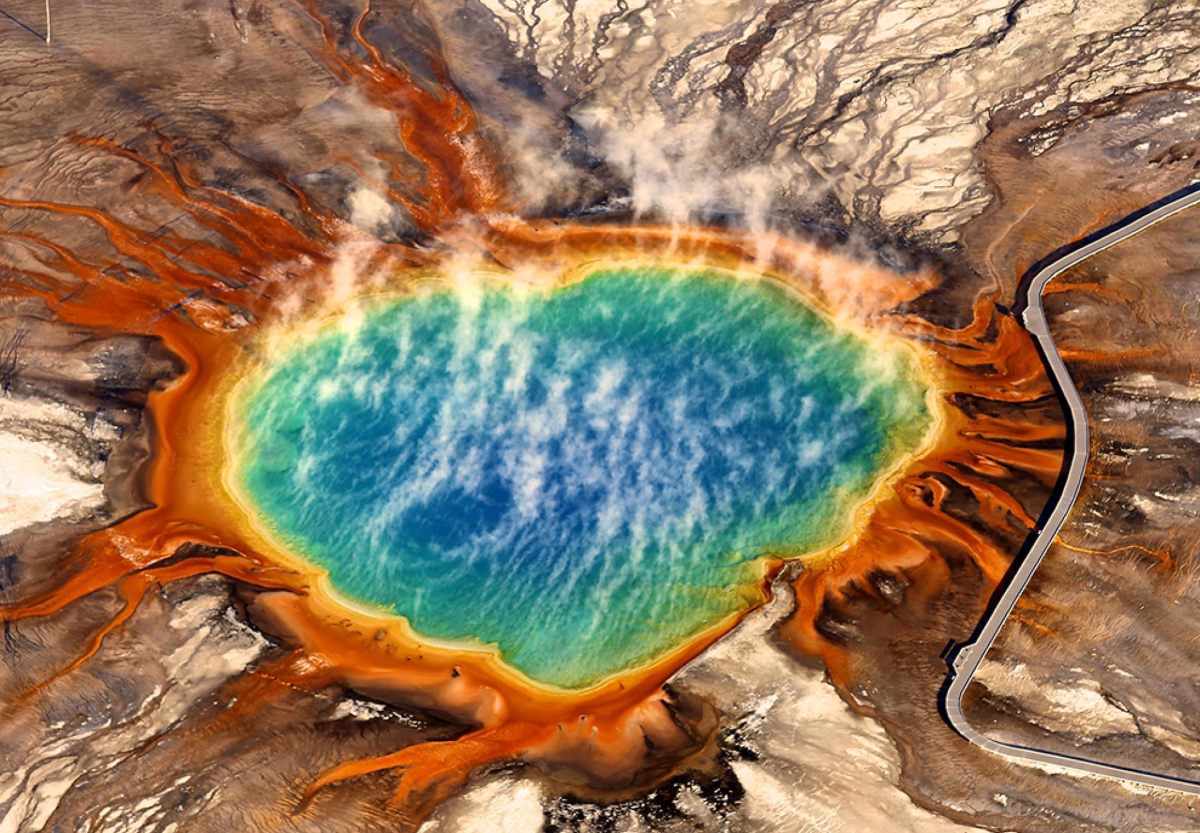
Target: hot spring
(584,477)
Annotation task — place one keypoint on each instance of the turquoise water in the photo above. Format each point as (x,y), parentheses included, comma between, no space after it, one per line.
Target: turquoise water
(583,477)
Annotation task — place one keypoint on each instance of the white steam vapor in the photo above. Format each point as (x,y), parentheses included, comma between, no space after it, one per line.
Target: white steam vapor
(370,211)
(540,174)
(676,170)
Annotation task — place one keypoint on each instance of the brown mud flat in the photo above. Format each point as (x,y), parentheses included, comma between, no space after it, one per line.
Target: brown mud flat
(186,234)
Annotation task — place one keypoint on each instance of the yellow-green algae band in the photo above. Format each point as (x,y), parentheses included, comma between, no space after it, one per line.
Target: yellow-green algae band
(585,477)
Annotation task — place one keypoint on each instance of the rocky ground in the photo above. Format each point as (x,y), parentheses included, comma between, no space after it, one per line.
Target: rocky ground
(976,136)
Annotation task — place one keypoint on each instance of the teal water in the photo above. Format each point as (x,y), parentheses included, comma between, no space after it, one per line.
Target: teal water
(584,477)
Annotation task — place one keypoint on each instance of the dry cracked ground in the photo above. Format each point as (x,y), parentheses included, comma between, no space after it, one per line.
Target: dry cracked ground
(975,136)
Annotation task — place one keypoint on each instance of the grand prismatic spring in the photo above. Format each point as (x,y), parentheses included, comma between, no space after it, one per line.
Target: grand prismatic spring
(502,473)
(585,476)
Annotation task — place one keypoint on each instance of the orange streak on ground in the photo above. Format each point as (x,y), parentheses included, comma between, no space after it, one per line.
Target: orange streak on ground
(1101,357)
(993,501)
(1093,288)
(132,588)
(437,128)
(1033,624)
(256,233)
(247,695)
(1164,557)
(431,771)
